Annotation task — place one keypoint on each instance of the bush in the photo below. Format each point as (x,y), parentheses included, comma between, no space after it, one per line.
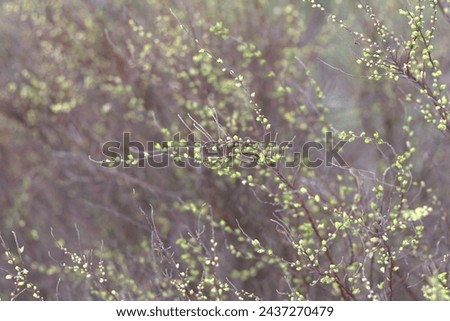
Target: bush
(227,94)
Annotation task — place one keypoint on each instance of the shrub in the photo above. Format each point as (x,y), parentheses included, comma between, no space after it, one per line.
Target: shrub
(235,90)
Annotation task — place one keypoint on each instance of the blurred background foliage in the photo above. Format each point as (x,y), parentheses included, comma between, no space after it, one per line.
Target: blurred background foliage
(76,74)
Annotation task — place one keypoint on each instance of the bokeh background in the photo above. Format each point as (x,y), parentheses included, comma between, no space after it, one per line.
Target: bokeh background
(76,74)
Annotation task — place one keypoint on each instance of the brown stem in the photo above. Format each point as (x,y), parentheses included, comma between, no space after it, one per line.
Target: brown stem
(346,294)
